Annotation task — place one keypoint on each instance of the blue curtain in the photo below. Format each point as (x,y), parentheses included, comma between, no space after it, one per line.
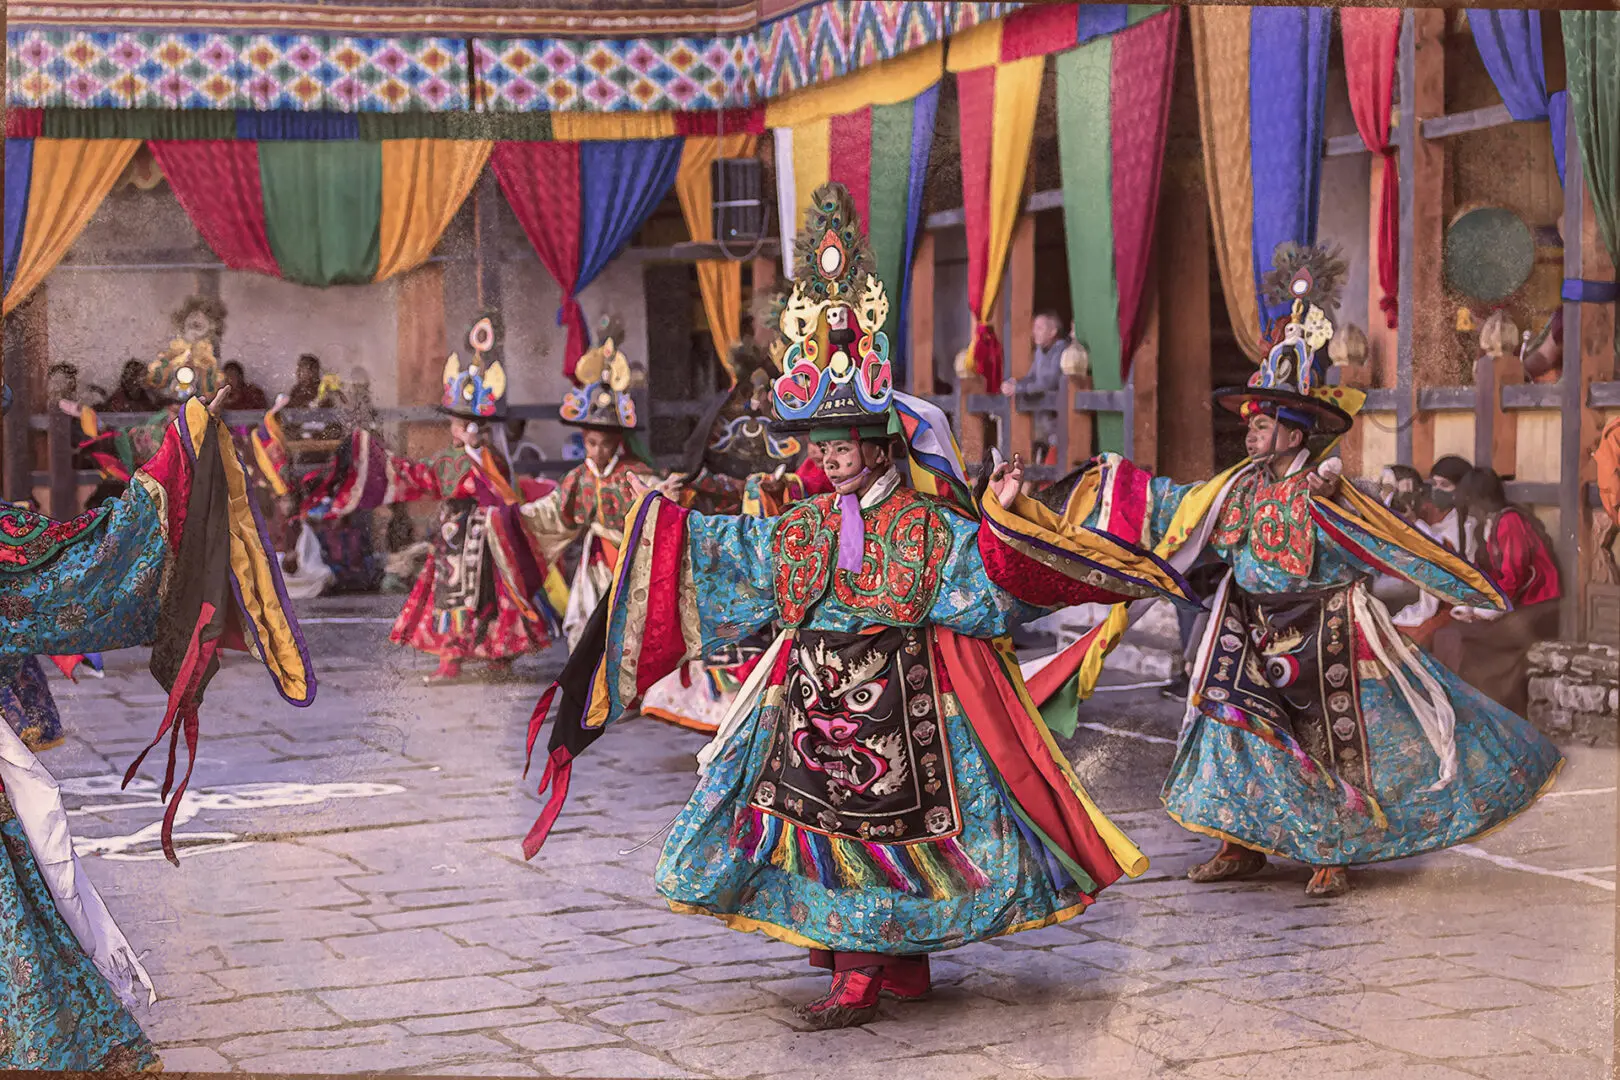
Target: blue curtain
(1510,44)
(1100,20)
(19,174)
(621,182)
(286,124)
(924,111)
(1287,97)
(1557,118)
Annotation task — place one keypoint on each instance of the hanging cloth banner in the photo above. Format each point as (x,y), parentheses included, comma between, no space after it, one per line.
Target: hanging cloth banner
(1371,39)
(579,203)
(871,132)
(1592,61)
(1509,43)
(1113,115)
(67,181)
(424,183)
(719,280)
(1262,127)
(321,211)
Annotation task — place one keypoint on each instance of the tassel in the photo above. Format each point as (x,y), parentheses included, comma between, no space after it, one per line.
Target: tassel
(559,766)
(537,718)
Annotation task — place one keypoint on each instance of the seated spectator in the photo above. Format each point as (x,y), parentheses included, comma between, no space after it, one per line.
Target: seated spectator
(1045,377)
(134,393)
(244,395)
(1490,649)
(1436,517)
(307,384)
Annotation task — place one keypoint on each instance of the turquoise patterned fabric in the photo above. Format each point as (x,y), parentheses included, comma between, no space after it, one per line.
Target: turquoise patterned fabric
(700,868)
(732,567)
(59,1013)
(26,701)
(99,593)
(1228,783)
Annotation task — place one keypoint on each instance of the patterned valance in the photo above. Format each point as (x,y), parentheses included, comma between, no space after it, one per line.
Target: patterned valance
(155,65)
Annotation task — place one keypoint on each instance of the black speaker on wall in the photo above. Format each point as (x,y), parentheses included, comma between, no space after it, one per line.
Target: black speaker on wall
(739,208)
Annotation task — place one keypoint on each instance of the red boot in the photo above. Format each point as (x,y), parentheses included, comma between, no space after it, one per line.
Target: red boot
(852,1000)
(449,671)
(906,978)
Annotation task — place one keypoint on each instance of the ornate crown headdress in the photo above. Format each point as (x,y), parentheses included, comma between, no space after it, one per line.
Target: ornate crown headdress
(836,371)
(607,398)
(478,390)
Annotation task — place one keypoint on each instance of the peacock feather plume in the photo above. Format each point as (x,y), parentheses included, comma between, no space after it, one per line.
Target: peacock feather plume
(831,251)
(1322,269)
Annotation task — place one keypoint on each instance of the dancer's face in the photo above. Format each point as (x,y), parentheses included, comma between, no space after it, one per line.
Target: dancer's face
(1266,437)
(844,459)
(600,446)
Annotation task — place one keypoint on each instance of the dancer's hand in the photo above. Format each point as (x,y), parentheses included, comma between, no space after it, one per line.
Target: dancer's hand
(1006,480)
(72,408)
(1324,481)
(281,402)
(217,406)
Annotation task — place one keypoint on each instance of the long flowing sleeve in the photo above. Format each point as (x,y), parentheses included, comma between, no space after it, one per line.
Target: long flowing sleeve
(366,475)
(685,584)
(1369,534)
(551,522)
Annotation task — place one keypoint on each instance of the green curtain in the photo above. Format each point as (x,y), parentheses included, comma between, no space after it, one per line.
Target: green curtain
(166,124)
(322,209)
(887,199)
(1086,157)
(1592,60)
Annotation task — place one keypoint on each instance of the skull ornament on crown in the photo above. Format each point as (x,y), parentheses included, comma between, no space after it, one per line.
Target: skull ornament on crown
(835,370)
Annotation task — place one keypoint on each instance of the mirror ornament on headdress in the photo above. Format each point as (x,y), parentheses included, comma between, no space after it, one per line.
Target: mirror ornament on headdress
(477,391)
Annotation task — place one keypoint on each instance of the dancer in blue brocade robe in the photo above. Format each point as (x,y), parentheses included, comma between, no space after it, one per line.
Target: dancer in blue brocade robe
(881,789)
(1314,730)
(132,572)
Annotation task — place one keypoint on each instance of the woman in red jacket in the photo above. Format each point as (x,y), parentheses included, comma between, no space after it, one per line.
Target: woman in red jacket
(1490,650)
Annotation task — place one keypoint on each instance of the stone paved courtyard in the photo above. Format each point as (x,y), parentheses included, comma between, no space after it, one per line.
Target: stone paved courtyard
(352,897)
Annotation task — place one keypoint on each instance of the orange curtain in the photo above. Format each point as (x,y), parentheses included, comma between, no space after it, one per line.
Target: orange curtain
(424,183)
(719,279)
(70,179)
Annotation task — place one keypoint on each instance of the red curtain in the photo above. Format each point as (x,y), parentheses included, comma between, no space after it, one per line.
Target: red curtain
(976,104)
(1144,65)
(541,183)
(1371,37)
(217,184)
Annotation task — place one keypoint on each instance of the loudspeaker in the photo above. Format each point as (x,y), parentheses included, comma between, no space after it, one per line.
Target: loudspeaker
(739,209)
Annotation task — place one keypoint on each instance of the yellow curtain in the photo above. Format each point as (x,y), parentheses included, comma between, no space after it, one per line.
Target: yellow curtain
(587,126)
(719,279)
(1018,92)
(887,83)
(1220,41)
(70,179)
(424,183)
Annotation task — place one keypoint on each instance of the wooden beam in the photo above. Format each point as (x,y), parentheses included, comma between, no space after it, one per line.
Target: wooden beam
(1344,146)
(1142,386)
(920,360)
(949,219)
(1444,127)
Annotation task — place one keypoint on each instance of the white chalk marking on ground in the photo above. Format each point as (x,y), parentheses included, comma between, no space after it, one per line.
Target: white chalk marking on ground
(1106,730)
(1579,791)
(1582,877)
(142,845)
(1103,689)
(345,620)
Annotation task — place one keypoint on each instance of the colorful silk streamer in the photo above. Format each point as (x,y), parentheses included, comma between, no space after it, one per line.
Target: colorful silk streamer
(1113,116)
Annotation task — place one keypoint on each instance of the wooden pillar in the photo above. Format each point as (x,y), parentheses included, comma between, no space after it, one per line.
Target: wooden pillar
(1186,449)
(26,359)
(1019,292)
(1422,312)
(420,351)
(1496,430)
(920,358)
(1142,426)
(1588,357)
